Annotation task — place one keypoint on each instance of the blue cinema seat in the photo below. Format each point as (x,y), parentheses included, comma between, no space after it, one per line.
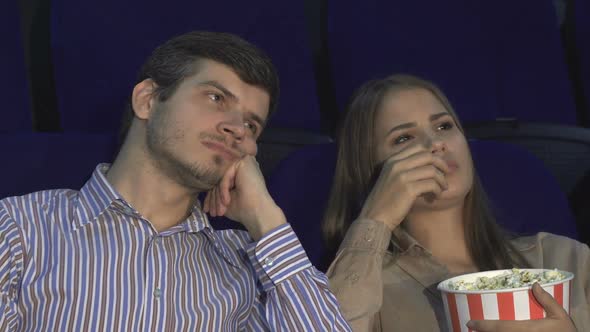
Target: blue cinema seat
(582,46)
(525,196)
(40,161)
(99,47)
(494,59)
(14,88)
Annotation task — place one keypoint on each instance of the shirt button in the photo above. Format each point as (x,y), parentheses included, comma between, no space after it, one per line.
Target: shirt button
(157,241)
(353,278)
(128,210)
(157,292)
(369,235)
(269,261)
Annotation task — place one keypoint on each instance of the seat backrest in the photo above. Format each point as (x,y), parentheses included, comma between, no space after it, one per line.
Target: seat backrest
(99,47)
(565,150)
(40,161)
(14,88)
(442,44)
(481,53)
(531,69)
(524,195)
(582,47)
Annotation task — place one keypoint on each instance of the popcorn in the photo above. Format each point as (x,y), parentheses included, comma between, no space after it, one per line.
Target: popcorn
(501,295)
(513,279)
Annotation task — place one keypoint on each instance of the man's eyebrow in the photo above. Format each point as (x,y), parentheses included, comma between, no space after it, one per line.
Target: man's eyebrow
(220,87)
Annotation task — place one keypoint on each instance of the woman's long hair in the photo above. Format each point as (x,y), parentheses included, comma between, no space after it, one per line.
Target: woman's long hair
(356,169)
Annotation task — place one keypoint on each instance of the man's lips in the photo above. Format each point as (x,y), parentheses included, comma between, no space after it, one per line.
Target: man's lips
(221,149)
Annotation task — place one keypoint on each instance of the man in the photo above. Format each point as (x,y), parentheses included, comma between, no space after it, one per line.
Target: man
(133,249)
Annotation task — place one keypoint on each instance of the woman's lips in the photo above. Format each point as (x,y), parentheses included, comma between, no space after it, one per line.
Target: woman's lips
(221,149)
(452,165)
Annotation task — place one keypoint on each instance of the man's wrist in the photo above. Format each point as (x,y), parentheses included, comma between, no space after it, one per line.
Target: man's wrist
(277,256)
(267,219)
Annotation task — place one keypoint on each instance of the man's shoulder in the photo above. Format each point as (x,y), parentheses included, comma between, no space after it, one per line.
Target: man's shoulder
(36,205)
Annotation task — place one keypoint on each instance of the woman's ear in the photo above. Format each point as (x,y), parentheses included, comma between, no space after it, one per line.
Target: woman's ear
(143,98)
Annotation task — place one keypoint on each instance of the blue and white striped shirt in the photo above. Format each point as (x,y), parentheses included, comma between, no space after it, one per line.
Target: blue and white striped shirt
(88,261)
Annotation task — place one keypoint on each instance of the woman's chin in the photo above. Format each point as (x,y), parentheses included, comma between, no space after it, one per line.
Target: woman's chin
(447,199)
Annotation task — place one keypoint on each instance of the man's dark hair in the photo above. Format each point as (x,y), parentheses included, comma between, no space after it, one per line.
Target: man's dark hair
(177,59)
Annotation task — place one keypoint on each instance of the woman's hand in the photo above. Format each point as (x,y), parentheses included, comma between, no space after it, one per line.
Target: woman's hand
(413,172)
(557,319)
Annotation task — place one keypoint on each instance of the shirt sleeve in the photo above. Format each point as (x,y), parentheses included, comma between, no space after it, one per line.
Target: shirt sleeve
(11,268)
(295,296)
(356,272)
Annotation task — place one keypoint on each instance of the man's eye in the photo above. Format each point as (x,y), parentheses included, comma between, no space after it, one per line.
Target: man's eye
(215,97)
(401,139)
(252,127)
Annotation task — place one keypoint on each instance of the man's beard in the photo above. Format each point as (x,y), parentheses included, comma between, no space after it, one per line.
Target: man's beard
(194,176)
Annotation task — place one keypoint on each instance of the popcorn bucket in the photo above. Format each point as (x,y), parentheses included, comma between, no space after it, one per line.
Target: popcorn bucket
(462,306)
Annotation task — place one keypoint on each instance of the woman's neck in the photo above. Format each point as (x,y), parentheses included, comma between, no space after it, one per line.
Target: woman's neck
(443,234)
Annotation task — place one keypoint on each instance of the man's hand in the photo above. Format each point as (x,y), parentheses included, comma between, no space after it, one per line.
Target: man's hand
(241,195)
(557,319)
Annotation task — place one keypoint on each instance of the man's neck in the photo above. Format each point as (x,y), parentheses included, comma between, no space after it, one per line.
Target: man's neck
(158,198)
(442,233)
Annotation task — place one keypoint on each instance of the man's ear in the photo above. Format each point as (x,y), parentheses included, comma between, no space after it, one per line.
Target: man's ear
(143,98)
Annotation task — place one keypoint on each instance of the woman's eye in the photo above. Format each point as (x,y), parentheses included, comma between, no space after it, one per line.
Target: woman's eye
(445,126)
(401,139)
(252,127)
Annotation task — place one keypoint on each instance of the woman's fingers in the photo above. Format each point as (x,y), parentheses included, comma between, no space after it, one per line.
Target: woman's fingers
(423,173)
(416,160)
(425,187)
(551,306)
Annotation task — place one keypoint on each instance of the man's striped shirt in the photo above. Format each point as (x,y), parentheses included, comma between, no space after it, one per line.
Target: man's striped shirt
(88,261)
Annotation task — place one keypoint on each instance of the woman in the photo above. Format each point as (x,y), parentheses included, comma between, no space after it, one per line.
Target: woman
(407,211)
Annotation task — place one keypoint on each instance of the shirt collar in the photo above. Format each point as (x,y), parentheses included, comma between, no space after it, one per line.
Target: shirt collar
(198,222)
(94,197)
(402,241)
(418,262)
(523,243)
(97,195)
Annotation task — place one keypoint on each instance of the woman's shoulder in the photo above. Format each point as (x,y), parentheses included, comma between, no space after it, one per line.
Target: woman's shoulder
(549,247)
(543,240)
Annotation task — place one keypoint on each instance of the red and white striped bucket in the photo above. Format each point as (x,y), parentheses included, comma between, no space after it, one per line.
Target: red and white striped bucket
(462,306)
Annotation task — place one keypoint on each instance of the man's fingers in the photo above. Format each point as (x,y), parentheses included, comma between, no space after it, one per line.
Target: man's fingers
(227,183)
(553,309)
(220,204)
(214,198)
(207,202)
